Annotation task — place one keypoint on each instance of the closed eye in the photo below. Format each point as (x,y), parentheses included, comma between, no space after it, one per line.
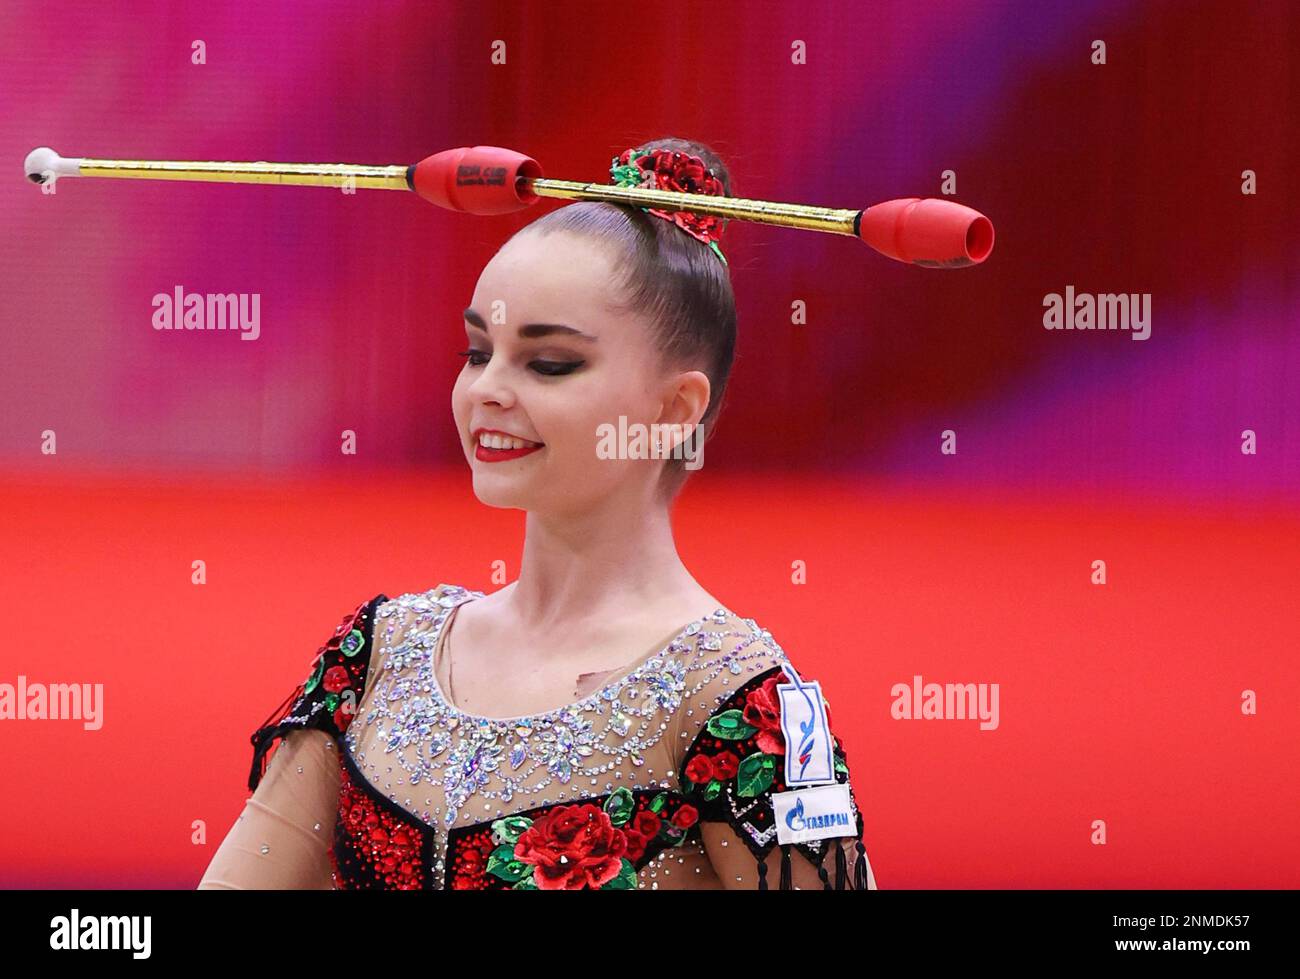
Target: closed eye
(549,368)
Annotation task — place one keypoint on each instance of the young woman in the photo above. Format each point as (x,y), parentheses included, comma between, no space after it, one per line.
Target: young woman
(603,721)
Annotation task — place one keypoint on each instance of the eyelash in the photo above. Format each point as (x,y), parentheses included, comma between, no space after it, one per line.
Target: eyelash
(563,367)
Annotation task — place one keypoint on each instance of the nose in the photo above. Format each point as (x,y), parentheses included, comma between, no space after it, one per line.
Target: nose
(492,385)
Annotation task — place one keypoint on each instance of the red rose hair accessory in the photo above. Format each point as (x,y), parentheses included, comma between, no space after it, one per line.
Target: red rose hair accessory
(673,170)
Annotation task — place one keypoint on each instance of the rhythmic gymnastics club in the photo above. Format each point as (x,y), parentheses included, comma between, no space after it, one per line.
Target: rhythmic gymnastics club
(489,180)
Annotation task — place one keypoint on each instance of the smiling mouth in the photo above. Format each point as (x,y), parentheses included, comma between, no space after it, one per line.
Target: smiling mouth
(495,447)
(497,441)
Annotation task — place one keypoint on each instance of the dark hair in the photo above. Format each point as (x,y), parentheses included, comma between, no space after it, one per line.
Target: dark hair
(671,276)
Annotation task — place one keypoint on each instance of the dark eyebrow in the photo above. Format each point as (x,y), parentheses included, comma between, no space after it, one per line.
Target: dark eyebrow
(531,331)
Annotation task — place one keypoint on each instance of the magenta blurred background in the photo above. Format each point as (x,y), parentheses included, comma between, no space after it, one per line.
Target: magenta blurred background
(1123,177)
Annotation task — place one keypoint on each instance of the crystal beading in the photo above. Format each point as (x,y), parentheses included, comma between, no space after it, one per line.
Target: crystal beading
(407,733)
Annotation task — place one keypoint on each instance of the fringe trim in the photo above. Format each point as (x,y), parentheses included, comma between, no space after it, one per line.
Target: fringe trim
(821,869)
(289,701)
(262,742)
(845,880)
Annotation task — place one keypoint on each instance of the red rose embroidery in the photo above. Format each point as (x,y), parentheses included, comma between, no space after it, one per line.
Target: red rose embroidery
(635,845)
(572,847)
(337,679)
(725,766)
(686,817)
(342,629)
(646,823)
(705,768)
(763,711)
(700,769)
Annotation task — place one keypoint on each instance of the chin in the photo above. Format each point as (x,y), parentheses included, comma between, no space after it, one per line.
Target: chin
(500,493)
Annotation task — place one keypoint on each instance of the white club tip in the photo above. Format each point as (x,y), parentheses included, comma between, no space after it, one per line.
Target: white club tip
(43,165)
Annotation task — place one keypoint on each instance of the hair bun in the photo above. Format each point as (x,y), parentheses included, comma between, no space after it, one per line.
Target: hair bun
(677,165)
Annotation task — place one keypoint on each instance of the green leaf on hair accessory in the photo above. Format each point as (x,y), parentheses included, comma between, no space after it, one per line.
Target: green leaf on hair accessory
(629,174)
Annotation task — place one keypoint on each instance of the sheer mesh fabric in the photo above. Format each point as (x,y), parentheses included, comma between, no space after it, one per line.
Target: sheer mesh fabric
(286,835)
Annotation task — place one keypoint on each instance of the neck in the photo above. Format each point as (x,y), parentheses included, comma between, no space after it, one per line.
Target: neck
(606,560)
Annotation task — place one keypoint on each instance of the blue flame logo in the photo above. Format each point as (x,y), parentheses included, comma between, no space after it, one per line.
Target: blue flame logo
(795,815)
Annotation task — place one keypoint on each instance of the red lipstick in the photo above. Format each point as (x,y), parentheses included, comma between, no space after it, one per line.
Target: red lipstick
(485,454)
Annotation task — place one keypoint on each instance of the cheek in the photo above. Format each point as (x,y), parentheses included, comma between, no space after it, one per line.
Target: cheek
(573,427)
(578,411)
(567,426)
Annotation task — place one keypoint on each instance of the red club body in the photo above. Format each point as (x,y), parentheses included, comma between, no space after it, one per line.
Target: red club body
(927,231)
(476,179)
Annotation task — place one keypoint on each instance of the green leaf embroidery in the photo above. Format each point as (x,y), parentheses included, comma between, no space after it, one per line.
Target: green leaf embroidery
(672,834)
(755,774)
(626,879)
(352,643)
(658,802)
(314,679)
(619,806)
(526,884)
(730,725)
(840,766)
(509,829)
(502,863)
(712,789)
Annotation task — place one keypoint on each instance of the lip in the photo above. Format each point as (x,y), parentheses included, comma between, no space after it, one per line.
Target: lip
(484,454)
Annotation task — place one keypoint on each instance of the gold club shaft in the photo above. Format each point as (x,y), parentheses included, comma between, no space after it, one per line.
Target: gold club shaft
(830,219)
(293,174)
(836,220)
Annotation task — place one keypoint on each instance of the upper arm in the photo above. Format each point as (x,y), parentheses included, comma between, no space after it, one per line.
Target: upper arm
(282,838)
(734,768)
(284,835)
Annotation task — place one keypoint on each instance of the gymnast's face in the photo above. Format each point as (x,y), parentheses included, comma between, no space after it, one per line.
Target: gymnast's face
(550,361)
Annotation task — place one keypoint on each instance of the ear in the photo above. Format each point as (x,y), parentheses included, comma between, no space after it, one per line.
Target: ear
(685,399)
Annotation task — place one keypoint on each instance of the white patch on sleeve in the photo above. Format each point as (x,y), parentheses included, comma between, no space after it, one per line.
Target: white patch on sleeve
(814,814)
(809,758)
